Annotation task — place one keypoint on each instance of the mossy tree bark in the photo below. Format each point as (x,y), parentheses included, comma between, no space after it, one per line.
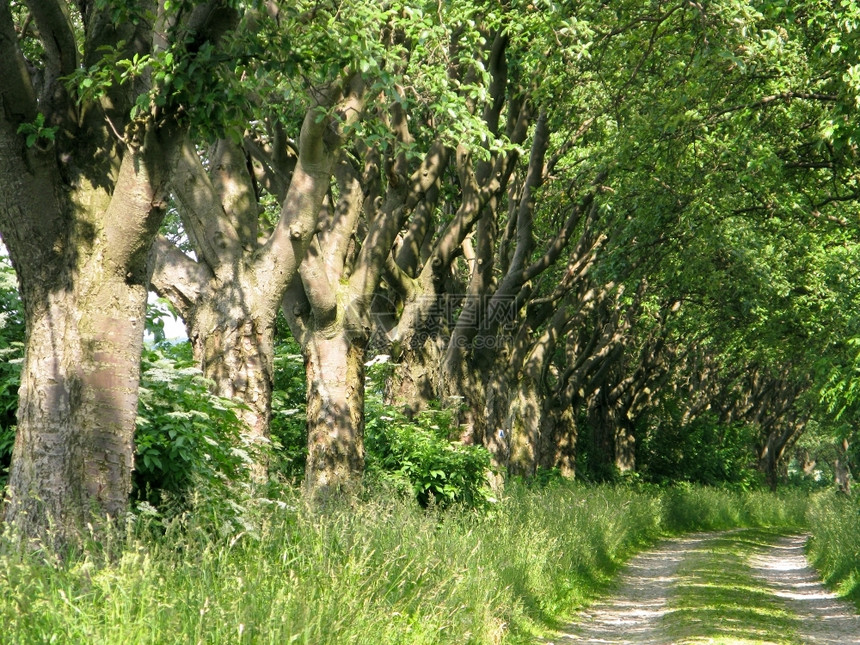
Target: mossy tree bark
(330,310)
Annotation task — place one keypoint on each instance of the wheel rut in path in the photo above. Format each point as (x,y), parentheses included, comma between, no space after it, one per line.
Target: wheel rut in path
(638,611)
(825,619)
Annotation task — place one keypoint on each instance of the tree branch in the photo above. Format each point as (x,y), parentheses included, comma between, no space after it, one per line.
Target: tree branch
(231,178)
(383,229)
(278,260)
(554,250)
(57,36)
(398,279)
(17,96)
(534,179)
(176,276)
(213,234)
(319,292)
(336,237)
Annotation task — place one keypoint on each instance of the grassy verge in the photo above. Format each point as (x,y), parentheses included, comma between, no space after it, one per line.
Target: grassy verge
(834,549)
(719,600)
(380,572)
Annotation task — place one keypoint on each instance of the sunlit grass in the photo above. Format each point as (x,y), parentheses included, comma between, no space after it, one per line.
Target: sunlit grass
(719,600)
(835,545)
(379,571)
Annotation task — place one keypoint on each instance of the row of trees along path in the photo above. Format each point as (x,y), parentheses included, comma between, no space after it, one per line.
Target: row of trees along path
(572,222)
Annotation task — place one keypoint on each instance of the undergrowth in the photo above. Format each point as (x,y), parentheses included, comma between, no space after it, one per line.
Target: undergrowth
(382,570)
(834,549)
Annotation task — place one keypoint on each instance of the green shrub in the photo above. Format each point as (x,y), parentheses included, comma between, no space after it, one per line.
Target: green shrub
(417,455)
(186,438)
(701,452)
(11,355)
(288,428)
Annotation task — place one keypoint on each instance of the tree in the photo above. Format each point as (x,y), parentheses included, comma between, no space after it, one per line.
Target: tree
(356,63)
(381,183)
(541,217)
(88,135)
(249,204)
(229,296)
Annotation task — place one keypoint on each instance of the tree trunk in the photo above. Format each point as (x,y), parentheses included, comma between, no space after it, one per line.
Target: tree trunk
(842,476)
(418,349)
(237,354)
(84,296)
(415,381)
(562,446)
(625,447)
(335,414)
(81,201)
(602,450)
(768,461)
(73,453)
(524,425)
(484,408)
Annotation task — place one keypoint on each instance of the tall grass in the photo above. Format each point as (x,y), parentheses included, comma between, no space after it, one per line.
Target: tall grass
(382,571)
(834,549)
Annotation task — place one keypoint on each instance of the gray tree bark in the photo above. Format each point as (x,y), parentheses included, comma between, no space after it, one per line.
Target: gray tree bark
(78,212)
(229,296)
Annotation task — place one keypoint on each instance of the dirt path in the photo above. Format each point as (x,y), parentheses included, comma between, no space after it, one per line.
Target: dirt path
(635,613)
(825,619)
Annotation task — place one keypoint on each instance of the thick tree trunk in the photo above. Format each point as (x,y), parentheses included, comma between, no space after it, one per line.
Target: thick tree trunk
(625,447)
(562,435)
(79,210)
(484,407)
(602,453)
(234,347)
(236,352)
(335,414)
(770,457)
(84,296)
(415,381)
(73,453)
(524,424)
(418,350)
(769,461)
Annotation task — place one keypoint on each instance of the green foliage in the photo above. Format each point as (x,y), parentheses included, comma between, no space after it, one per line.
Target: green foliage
(156,314)
(702,451)
(288,428)
(11,355)
(187,439)
(37,132)
(417,455)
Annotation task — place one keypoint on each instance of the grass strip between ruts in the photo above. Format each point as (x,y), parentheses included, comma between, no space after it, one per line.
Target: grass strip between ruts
(718,599)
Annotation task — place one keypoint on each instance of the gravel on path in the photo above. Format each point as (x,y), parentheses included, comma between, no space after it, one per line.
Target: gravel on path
(825,618)
(632,615)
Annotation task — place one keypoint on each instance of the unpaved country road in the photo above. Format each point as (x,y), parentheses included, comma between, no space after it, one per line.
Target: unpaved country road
(641,605)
